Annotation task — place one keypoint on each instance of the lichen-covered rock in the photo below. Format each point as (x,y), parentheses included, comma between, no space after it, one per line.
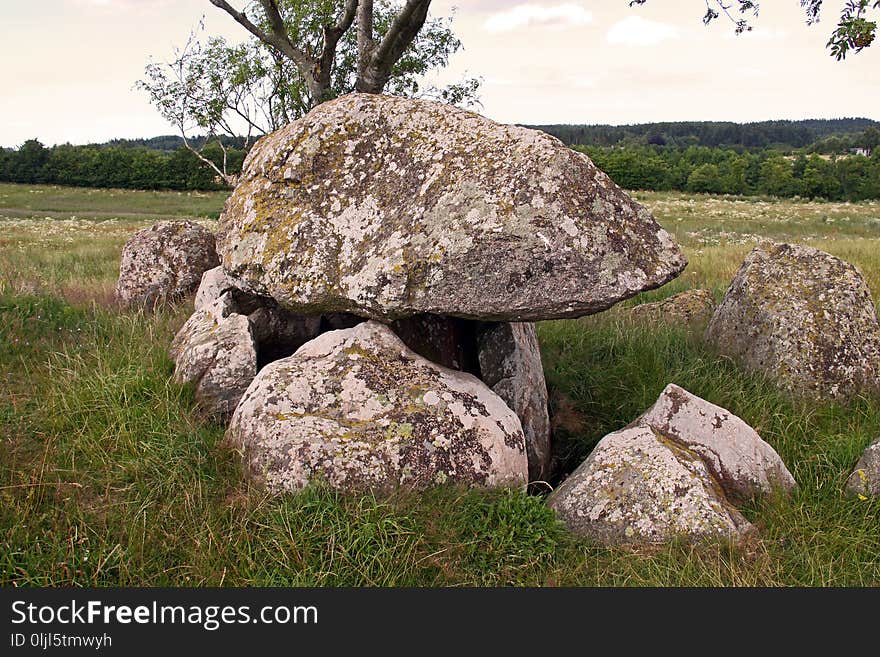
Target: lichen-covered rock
(164,262)
(691,307)
(510,364)
(639,487)
(865,479)
(356,409)
(744,465)
(214,283)
(388,207)
(277,332)
(216,351)
(802,316)
(673,473)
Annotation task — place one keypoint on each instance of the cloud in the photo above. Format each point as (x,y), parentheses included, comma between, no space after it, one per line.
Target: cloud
(530,15)
(638,31)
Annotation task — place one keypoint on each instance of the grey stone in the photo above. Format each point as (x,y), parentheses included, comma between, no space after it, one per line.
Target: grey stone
(637,487)
(675,472)
(510,364)
(865,479)
(215,350)
(745,466)
(356,409)
(803,317)
(164,263)
(388,207)
(214,283)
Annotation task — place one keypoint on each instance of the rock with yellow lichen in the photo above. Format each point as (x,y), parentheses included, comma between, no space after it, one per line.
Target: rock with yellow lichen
(388,207)
(803,317)
(675,473)
(356,409)
(164,263)
(865,479)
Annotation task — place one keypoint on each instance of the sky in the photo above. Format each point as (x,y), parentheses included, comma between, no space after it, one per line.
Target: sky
(69,66)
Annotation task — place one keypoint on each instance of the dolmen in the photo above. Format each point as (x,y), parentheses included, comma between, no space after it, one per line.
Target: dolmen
(382,261)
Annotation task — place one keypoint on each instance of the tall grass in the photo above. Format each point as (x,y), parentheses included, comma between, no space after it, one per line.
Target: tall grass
(108,476)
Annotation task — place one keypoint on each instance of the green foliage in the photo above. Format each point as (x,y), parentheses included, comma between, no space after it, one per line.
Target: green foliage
(219,88)
(783,135)
(727,171)
(854,32)
(115,166)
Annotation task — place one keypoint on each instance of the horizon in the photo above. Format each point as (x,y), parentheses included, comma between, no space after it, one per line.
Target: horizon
(586,63)
(525,125)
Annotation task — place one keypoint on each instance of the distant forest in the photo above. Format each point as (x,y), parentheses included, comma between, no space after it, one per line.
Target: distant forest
(780,135)
(835,159)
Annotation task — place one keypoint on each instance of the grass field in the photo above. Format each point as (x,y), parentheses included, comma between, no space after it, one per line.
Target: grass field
(108,477)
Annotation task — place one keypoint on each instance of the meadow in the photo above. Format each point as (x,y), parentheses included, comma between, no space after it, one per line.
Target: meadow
(108,476)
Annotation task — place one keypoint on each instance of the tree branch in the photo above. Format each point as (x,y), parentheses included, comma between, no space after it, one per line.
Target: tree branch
(332,35)
(277,38)
(365,42)
(381,58)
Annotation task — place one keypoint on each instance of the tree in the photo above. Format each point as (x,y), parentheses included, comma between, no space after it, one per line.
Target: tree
(706,178)
(871,139)
(855,30)
(30,160)
(286,68)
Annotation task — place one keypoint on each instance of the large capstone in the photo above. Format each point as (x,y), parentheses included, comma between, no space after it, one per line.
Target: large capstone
(387,207)
(356,409)
(803,317)
(164,263)
(675,472)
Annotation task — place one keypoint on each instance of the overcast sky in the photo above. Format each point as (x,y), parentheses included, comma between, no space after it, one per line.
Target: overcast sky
(69,66)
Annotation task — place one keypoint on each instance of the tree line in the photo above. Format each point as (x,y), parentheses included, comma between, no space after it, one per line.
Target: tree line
(842,133)
(727,171)
(116,165)
(697,169)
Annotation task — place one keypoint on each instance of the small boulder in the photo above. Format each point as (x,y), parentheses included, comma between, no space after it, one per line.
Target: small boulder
(164,263)
(691,307)
(214,283)
(744,465)
(510,364)
(673,473)
(357,409)
(216,351)
(638,487)
(802,316)
(865,479)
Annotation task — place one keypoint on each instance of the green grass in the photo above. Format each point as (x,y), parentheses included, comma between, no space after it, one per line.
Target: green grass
(40,201)
(109,477)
